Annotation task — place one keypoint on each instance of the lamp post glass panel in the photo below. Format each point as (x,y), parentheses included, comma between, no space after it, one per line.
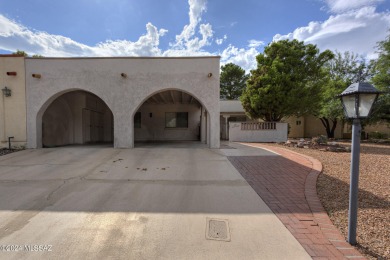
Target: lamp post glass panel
(357,101)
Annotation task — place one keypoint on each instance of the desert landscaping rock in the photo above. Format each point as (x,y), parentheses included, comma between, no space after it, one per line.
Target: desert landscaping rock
(5,151)
(373,230)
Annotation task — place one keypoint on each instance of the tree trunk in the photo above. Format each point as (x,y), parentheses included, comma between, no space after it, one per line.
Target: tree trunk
(334,121)
(330,129)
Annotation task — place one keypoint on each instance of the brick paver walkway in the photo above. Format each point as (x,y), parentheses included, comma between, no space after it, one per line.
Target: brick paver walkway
(287,184)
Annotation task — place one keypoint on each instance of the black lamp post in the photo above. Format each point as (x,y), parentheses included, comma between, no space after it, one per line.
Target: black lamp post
(357,101)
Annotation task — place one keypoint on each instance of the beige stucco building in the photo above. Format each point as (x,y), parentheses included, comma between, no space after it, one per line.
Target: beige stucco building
(13,108)
(62,101)
(310,126)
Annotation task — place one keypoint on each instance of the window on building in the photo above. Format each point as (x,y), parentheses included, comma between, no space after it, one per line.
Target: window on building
(176,120)
(299,122)
(137,120)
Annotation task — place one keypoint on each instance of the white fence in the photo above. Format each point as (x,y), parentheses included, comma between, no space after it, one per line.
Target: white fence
(264,132)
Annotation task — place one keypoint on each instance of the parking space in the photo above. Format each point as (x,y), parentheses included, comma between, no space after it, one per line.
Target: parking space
(145,203)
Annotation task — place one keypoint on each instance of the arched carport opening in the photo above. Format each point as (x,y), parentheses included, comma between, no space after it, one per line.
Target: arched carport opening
(171,116)
(76,117)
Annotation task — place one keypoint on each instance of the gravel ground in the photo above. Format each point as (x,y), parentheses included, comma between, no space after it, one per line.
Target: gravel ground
(4,151)
(373,230)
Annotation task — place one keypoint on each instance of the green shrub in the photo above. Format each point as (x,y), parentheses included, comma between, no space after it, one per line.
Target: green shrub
(322,139)
(377,135)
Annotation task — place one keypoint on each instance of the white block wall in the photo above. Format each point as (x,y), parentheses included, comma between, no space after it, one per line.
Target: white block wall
(236,134)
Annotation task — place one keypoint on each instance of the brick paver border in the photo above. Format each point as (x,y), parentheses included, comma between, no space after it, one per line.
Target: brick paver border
(287,184)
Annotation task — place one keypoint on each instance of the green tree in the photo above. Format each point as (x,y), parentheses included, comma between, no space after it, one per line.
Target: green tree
(381,80)
(342,71)
(287,81)
(232,81)
(19,52)
(25,54)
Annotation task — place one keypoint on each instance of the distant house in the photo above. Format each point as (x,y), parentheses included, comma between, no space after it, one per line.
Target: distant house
(231,111)
(308,126)
(301,127)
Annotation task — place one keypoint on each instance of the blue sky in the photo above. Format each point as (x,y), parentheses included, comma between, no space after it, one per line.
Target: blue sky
(235,30)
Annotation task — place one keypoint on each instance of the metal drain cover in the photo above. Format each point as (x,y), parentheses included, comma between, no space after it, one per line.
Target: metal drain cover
(217,229)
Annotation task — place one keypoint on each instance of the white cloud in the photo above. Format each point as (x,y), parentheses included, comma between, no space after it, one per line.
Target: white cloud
(255,43)
(245,58)
(356,26)
(207,33)
(15,36)
(190,42)
(187,40)
(8,27)
(338,6)
(147,45)
(221,40)
(357,31)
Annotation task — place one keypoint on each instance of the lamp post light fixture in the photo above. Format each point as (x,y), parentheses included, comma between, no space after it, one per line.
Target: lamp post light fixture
(6,92)
(357,101)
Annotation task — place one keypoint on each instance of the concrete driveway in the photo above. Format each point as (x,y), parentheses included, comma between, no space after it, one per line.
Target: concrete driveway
(143,203)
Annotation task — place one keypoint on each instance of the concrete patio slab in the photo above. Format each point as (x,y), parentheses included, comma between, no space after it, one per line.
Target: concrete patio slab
(99,202)
(237,149)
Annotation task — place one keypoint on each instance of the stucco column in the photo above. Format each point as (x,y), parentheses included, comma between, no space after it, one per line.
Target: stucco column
(226,126)
(2,119)
(213,126)
(34,133)
(123,130)
(203,125)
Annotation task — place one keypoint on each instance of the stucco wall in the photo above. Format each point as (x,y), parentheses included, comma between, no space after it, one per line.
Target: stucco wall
(296,127)
(108,126)
(314,127)
(76,101)
(262,136)
(222,128)
(123,95)
(382,127)
(153,128)
(13,108)
(226,117)
(57,124)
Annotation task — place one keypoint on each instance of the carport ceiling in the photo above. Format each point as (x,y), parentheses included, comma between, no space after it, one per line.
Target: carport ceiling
(172,97)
